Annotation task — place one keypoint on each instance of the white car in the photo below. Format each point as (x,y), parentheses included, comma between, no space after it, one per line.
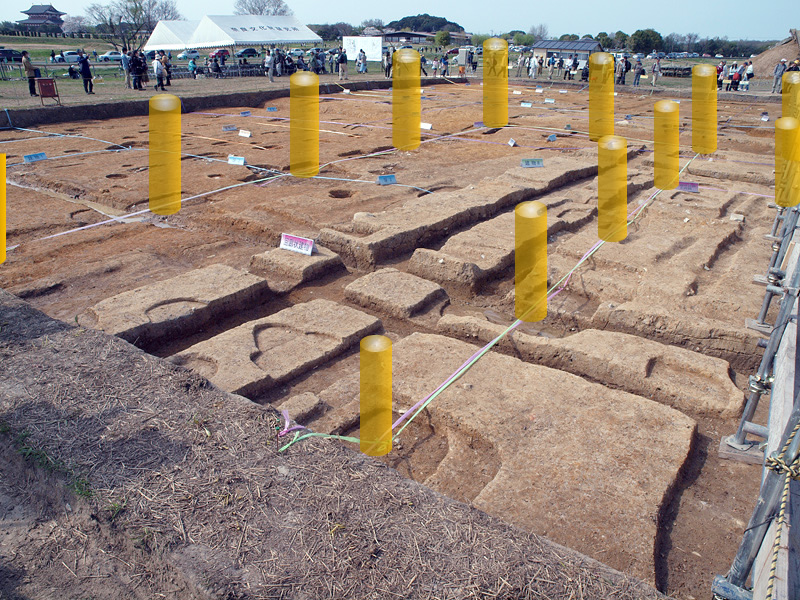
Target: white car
(69,56)
(187,54)
(109,56)
(296,52)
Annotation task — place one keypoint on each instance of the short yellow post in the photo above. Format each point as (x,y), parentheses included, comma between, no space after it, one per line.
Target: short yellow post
(376,395)
(791,94)
(304,124)
(787,161)
(704,109)
(2,208)
(530,261)
(165,154)
(406,103)
(601,95)
(495,82)
(667,140)
(612,189)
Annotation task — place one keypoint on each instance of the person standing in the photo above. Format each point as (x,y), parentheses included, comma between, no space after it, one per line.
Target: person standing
(269,62)
(621,72)
(795,66)
(342,64)
(656,71)
(540,67)
(422,62)
(389,57)
(158,72)
(780,69)
(167,68)
(560,66)
(125,63)
(551,64)
(86,72)
(638,71)
(30,72)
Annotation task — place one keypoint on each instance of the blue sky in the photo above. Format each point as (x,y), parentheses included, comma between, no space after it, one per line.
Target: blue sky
(736,19)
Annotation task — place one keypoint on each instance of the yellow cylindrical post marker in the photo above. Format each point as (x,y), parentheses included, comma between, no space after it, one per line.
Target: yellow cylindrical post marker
(495,82)
(667,140)
(2,208)
(791,94)
(530,261)
(165,154)
(376,395)
(787,161)
(304,124)
(601,95)
(406,103)
(612,189)
(704,109)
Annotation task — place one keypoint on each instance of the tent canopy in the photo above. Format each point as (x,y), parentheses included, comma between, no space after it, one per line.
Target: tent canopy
(228,31)
(249,30)
(171,35)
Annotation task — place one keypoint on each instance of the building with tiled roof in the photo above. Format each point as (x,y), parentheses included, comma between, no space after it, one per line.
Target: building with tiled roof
(40,15)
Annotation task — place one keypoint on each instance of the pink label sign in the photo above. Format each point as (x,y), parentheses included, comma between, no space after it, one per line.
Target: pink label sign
(297,244)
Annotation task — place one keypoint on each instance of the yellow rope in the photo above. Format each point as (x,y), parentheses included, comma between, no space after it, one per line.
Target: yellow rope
(790,471)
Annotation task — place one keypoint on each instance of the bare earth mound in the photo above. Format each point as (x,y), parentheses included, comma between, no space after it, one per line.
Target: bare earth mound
(182,494)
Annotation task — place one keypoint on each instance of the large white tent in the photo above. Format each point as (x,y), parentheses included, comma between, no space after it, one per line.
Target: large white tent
(229,31)
(171,35)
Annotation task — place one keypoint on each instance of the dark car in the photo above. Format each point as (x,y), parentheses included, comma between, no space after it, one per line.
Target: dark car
(8,55)
(247,53)
(453,51)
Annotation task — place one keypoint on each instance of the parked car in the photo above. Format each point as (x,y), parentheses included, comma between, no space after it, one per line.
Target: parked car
(706,55)
(453,51)
(247,53)
(407,46)
(296,52)
(68,56)
(718,56)
(313,51)
(150,54)
(9,55)
(219,53)
(187,54)
(110,55)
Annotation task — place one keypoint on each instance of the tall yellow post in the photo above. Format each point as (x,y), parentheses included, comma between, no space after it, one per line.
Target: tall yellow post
(304,124)
(791,94)
(406,103)
(787,161)
(667,140)
(601,95)
(530,261)
(612,189)
(495,82)
(2,208)
(165,154)
(376,395)
(704,109)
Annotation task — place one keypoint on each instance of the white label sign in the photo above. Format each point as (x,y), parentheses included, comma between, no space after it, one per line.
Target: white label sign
(532,162)
(539,90)
(235,160)
(549,101)
(525,104)
(426,126)
(244,133)
(297,244)
(512,142)
(517,92)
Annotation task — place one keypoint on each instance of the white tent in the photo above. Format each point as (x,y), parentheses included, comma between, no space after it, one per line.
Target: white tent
(171,35)
(249,30)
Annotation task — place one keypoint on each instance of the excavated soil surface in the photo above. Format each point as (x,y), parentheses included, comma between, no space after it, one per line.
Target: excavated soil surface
(680,282)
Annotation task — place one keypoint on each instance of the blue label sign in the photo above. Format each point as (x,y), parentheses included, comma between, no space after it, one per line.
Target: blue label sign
(386,179)
(245,113)
(235,160)
(29,158)
(552,137)
(688,186)
(532,162)
(229,128)
(525,104)
(272,109)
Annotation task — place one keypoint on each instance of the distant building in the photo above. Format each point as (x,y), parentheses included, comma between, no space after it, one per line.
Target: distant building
(41,15)
(419,37)
(558,48)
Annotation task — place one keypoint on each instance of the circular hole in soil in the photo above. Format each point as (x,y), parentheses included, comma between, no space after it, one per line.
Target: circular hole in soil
(340,193)
(213,175)
(116,176)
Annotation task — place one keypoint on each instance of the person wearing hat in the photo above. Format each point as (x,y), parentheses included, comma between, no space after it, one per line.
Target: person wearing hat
(780,69)
(795,66)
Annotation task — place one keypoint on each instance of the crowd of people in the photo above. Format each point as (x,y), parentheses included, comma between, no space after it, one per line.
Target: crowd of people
(782,67)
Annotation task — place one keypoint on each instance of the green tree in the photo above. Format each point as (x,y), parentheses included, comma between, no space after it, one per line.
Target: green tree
(442,38)
(620,39)
(569,37)
(604,40)
(477,39)
(646,40)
